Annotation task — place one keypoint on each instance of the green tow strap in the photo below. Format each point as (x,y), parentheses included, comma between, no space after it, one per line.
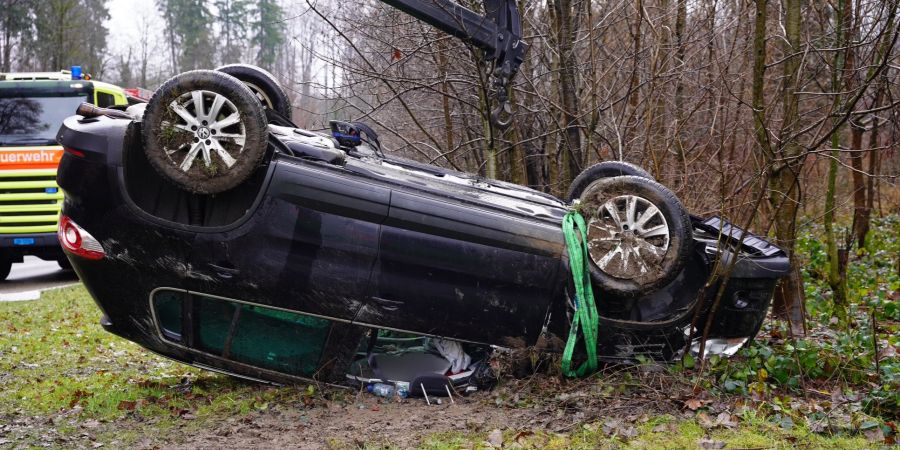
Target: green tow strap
(585,308)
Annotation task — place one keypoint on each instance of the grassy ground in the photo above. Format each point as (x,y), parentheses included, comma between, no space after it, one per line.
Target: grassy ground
(65,383)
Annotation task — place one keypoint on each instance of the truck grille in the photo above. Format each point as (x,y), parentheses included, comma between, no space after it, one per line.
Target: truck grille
(29,201)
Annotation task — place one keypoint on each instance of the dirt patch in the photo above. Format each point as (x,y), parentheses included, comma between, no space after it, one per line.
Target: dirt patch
(338,418)
(540,402)
(368,421)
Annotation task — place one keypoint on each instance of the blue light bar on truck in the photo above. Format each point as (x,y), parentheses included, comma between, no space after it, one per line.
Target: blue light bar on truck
(76,72)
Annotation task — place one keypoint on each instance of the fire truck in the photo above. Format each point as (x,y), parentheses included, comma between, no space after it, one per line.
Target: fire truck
(32,107)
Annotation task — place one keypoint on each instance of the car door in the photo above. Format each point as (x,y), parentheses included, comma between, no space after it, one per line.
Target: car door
(309,248)
(457,270)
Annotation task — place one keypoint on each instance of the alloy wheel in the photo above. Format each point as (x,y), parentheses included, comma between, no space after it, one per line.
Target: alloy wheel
(207,126)
(628,237)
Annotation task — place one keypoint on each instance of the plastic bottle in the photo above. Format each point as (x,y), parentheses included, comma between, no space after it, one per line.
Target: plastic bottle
(386,390)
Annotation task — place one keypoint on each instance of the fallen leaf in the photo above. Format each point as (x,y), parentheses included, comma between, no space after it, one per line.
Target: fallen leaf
(695,403)
(817,426)
(611,427)
(522,435)
(77,396)
(726,420)
(874,434)
(628,432)
(126,405)
(887,352)
(705,420)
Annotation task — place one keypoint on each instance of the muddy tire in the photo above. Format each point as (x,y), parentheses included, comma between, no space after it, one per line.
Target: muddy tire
(639,235)
(605,169)
(263,84)
(204,131)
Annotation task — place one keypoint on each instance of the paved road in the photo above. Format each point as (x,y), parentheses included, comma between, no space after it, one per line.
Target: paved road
(28,278)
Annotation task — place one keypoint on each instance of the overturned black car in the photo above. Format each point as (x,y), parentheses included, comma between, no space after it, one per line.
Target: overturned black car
(210,230)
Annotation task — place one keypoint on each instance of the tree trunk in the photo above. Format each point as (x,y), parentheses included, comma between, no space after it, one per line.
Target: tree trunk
(862,222)
(759,78)
(570,150)
(680,21)
(8,11)
(517,162)
(445,91)
(866,217)
(860,225)
(489,148)
(170,31)
(636,48)
(837,279)
(856,133)
(784,186)
(517,172)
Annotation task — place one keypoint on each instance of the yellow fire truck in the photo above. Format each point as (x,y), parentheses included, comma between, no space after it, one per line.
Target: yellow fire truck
(32,107)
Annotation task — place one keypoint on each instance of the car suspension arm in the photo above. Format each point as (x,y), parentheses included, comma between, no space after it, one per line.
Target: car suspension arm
(498,33)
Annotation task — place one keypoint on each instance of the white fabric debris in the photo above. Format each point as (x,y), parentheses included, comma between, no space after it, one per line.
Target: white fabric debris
(452,351)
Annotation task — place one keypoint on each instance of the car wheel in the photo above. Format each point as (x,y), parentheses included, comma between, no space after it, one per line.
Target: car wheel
(639,235)
(263,84)
(605,169)
(5,268)
(204,131)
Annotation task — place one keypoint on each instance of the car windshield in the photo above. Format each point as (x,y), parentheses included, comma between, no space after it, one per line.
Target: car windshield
(34,120)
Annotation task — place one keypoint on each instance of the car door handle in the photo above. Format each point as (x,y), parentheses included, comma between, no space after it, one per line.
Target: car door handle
(224,272)
(387,305)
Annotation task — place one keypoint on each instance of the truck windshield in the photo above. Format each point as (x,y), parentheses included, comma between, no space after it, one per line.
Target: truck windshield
(34,120)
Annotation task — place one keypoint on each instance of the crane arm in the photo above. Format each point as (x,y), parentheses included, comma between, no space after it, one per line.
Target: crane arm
(498,33)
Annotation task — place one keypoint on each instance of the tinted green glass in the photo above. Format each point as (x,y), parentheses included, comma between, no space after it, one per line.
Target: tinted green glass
(268,338)
(168,312)
(213,321)
(279,340)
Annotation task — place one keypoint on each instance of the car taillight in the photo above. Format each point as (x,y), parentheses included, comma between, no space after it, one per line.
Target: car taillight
(77,241)
(74,152)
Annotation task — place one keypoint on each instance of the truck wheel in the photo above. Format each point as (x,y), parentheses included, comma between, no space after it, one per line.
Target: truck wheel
(263,84)
(639,235)
(204,131)
(605,169)
(5,267)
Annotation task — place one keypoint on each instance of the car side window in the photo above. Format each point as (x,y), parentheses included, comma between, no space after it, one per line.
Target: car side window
(105,100)
(273,339)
